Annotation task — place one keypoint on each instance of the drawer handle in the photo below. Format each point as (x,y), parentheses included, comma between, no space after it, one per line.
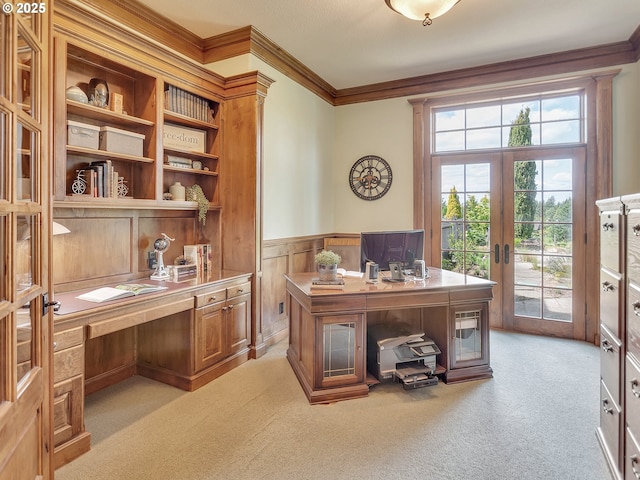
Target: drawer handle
(634,465)
(636,230)
(636,309)
(607,226)
(230,307)
(607,286)
(606,408)
(634,387)
(240,290)
(212,299)
(55,345)
(606,346)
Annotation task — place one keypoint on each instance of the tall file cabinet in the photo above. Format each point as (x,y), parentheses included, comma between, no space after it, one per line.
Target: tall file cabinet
(619,429)
(612,303)
(631,372)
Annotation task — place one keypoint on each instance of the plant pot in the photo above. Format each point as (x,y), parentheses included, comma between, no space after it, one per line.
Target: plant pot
(328,273)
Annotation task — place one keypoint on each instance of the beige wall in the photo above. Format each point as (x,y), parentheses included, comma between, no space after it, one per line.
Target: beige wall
(310,146)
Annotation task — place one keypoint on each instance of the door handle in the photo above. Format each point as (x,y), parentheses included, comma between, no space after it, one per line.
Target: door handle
(496,249)
(506,254)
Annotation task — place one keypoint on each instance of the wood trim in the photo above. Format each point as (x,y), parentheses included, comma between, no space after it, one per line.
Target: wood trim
(157,29)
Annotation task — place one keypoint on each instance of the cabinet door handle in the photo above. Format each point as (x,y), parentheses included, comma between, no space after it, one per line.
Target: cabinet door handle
(606,346)
(606,408)
(607,286)
(636,230)
(230,307)
(634,466)
(55,345)
(636,309)
(634,387)
(496,249)
(607,226)
(506,254)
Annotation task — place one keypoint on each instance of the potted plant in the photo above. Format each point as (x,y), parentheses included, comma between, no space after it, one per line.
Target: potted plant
(327,262)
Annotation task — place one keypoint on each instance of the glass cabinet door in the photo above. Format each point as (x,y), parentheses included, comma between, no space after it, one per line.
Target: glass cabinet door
(341,350)
(469,345)
(25,332)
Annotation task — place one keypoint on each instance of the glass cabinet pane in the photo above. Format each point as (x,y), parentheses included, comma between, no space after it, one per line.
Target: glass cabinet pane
(24,253)
(4,53)
(339,349)
(4,294)
(468,335)
(4,134)
(27,65)
(24,167)
(25,332)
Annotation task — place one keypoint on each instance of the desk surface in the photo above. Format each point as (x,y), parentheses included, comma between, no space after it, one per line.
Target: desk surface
(438,280)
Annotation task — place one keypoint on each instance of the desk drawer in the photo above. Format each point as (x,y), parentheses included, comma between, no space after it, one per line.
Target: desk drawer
(633,247)
(214,296)
(633,321)
(632,456)
(68,363)
(67,338)
(610,240)
(238,290)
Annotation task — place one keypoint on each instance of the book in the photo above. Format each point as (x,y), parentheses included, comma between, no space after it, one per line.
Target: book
(104,294)
(349,273)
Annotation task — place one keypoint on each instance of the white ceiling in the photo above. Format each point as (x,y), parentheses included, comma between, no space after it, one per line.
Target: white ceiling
(351,43)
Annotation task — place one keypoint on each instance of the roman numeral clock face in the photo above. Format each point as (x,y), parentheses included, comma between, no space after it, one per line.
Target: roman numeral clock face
(370,177)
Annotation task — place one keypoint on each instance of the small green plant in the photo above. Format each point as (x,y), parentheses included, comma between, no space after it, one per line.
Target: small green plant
(327,257)
(195,194)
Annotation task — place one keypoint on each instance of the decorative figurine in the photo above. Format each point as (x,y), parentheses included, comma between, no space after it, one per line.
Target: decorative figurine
(160,246)
(98,93)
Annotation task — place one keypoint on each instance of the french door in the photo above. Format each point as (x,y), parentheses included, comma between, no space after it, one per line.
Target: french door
(25,327)
(517,217)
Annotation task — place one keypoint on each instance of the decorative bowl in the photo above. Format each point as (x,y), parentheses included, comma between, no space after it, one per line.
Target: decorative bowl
(76,94)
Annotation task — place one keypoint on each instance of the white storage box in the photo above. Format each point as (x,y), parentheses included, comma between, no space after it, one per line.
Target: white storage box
(82,134)
(121,141)
(183,138)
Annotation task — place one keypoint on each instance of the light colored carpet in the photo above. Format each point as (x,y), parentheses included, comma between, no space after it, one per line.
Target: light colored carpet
(535,419)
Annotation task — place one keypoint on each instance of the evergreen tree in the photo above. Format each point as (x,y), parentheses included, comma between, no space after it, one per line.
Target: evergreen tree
(524,177)
(454,209)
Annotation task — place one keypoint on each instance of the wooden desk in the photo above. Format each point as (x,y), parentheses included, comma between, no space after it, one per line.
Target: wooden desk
(329,326)
(184,336)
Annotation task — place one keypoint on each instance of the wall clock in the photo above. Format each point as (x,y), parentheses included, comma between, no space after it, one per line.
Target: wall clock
(370,177)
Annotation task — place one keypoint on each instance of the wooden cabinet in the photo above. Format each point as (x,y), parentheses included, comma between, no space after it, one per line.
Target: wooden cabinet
(222,324)
(469,344)
(68,396)
(619,426)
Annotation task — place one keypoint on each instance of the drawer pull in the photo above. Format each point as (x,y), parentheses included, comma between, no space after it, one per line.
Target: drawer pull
(606,408)
(55,345)
(636,309)
(212,299)
(606,346)
(230,307)
(240,290)
(634,387)
(636,230)
(607,226)
(607,286)
(634,466)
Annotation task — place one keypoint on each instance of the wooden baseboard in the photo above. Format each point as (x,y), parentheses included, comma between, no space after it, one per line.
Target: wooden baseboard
(72,449)
(106,379)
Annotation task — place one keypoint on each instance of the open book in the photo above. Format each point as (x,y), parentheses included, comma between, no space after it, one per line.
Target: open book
(121,291)
(349,273)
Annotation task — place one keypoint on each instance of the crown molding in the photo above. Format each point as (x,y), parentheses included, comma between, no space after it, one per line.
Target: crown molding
(249,40)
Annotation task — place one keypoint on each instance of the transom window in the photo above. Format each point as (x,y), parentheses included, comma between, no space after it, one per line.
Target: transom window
(554,119)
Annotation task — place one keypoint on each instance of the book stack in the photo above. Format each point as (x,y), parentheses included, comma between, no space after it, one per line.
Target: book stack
(179,273)
(200,255)
(102,179)
(179,162)
(184,103)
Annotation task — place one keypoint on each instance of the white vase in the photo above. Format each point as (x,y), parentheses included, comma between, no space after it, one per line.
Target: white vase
(177,191)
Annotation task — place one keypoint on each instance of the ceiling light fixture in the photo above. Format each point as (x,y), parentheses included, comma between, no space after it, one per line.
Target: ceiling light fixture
(425,10)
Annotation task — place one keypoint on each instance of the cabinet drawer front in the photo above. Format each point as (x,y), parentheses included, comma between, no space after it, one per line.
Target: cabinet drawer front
(633,247)
(632,397)
(633,321)
(609,421)
(68,338)
(68,363)
(632,455)
(237,290)
(610,301)
(213,296)
(68,408)
(610,363)
(610,240)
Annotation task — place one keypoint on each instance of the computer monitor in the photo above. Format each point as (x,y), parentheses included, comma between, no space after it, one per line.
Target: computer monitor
(399,246)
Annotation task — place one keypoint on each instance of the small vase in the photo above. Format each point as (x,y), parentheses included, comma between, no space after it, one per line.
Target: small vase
(328,273)
(177,190)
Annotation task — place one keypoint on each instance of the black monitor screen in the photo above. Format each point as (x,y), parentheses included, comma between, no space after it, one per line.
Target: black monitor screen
(383,247)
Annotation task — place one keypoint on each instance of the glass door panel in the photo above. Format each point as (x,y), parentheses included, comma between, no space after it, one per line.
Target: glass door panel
(24,167)
(24,251)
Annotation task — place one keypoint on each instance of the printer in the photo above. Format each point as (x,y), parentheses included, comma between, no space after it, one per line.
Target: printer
(396,352)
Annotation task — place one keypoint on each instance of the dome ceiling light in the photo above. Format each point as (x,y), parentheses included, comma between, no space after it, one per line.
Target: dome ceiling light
(425,10)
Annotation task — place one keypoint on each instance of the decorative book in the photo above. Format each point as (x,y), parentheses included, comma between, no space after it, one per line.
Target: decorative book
(104,294)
